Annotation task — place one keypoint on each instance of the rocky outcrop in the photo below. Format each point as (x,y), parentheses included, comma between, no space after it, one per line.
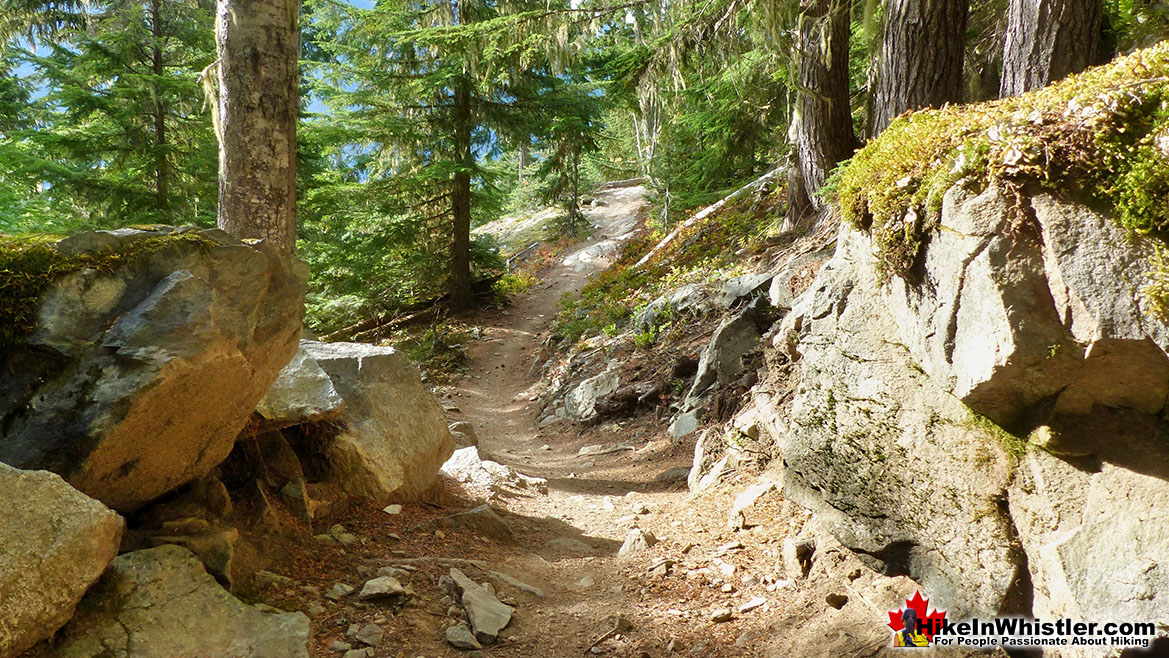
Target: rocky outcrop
(54,543)
(160,603)
(140,373)
(882,418)
(395,435)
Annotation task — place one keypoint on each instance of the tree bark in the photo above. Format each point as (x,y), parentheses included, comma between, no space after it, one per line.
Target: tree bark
(462,296)
(258,104)
(821,129)
(921,57)
(1047,40)
(161,163)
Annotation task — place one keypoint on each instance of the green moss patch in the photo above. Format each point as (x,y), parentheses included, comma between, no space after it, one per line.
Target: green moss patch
(29,264)
(1102,135)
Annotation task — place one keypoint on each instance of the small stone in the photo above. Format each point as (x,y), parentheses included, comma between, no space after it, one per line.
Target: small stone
(394,572)
(338,591)
(755,602)
(370,634)
(380,588)
(392,509)
(636,540)
(673,645)
(727,588)
(639,508)
(357,653)
(545,447)
(267,578)
(460,637)
(721,615)
(339,646)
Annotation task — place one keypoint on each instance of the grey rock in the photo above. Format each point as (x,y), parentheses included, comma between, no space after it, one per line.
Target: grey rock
(370,634)
(635,541)
(396,435)
(684,425)
(487,615)
(733,290)
(569,545)
(54,543)
(339,591)
(721,362)
(581,401)
(137,381)
(673,475)
(460,637)
(722,615)
(301,393)
(339,646)
(160,603)
(382,587)
(484,521)
(518,584)
(463,433)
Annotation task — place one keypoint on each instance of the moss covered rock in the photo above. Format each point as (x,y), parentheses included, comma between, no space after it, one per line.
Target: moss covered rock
(1101,136)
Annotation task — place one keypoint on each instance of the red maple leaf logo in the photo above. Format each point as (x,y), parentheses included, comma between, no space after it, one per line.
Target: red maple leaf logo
(931,621)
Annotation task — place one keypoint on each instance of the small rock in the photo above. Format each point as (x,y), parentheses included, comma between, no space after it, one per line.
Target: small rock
(339,646)
(394,572)
(460,637)
(381,587)
(570,545)
(637,540)
(545,447)
(639,508)
(721,615)
(521,586)
(370,634)
(338,591)
(357,653)
(267,578)
(673,645)
(756,602)
(392,509)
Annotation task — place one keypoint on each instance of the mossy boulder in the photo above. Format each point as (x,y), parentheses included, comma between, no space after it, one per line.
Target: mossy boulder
(133,358)
(1100,137)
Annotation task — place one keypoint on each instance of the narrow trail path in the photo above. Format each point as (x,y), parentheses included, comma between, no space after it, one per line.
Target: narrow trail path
(571,534)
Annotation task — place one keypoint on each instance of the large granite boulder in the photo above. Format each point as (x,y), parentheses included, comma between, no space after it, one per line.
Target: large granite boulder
(395,435)
(54,543)
(143,368)
(160,603)
(883,419)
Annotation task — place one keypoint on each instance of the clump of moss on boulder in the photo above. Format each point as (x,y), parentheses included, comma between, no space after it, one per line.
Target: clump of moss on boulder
(1101,136)
(29,264)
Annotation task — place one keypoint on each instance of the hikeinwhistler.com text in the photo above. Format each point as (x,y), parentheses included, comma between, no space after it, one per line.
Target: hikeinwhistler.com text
(1021,632)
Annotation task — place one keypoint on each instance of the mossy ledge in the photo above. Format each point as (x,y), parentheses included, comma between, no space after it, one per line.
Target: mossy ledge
(1101,135)
(29,264)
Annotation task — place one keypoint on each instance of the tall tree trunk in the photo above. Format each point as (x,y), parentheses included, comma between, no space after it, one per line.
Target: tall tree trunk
(258,105)
(821,129)
(462,296)
(522,164)
(921,57)
(1047,40)
(161,163)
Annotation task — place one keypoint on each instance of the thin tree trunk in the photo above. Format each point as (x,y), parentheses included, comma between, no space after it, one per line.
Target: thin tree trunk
(1047,40)
(462,296)
(921,57)
(523,164)
(821,129)
(161,163)
(258,104)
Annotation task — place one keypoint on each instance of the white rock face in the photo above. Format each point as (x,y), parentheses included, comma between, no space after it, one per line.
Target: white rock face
(397,437)
(1038,328)
(54,543)
(301,393)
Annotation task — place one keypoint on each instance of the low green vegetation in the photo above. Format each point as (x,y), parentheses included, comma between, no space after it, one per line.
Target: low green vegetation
(711,249)
(1102,135)
(29,264)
